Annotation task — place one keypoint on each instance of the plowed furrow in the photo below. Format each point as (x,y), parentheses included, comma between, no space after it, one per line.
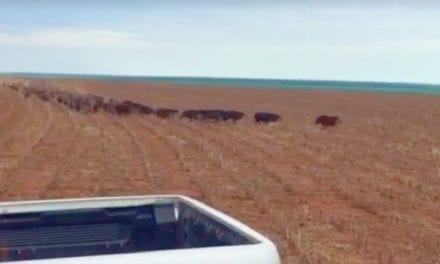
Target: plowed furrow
(327,202)
(223,183)
(24,134)
(259,182)
(275,156)
(64,157)
(342,205)
(6,106)
(171,174)
(30,178)
(82,172)
(128,169)
(16,121)
(140,178)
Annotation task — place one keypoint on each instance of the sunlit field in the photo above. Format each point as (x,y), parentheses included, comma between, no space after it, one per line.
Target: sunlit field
(364,191)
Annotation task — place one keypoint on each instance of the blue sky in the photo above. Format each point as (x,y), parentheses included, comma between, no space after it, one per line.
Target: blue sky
(337,40)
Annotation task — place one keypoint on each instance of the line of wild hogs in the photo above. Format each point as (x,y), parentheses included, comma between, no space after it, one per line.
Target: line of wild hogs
(87,103)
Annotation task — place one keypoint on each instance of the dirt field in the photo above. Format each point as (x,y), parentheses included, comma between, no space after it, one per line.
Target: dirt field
(366,191)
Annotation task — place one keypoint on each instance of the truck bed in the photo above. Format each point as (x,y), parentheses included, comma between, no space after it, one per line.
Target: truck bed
(59,233)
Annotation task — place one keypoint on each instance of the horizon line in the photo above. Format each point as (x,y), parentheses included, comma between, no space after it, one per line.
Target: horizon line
(215,77)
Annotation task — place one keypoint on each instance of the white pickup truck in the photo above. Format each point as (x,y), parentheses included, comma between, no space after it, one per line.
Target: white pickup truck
(165,229)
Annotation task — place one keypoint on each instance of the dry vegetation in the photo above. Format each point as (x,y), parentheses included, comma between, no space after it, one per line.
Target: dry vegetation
(366,191)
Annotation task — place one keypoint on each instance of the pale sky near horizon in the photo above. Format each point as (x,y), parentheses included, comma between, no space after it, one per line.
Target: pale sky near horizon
(396,41)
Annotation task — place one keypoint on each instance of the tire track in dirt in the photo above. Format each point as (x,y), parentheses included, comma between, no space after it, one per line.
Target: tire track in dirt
(253,174)
(126,168)
(16,120)
(343,140)
(24,135)
(394,173)
(383,212)
(83,170)
(321,200)
(56,173)
(197,158)
(274,157)
(6,107)
(333,206)
(223,187)
(258,185)
(80,174)
(30,178)
(105,161)
(218,137)
(170,173)
(129,169)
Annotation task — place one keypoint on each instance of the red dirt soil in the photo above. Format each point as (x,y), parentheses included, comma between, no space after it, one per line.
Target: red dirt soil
(365,191)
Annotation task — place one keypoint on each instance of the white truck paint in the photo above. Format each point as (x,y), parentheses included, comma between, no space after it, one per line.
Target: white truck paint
(181,230)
